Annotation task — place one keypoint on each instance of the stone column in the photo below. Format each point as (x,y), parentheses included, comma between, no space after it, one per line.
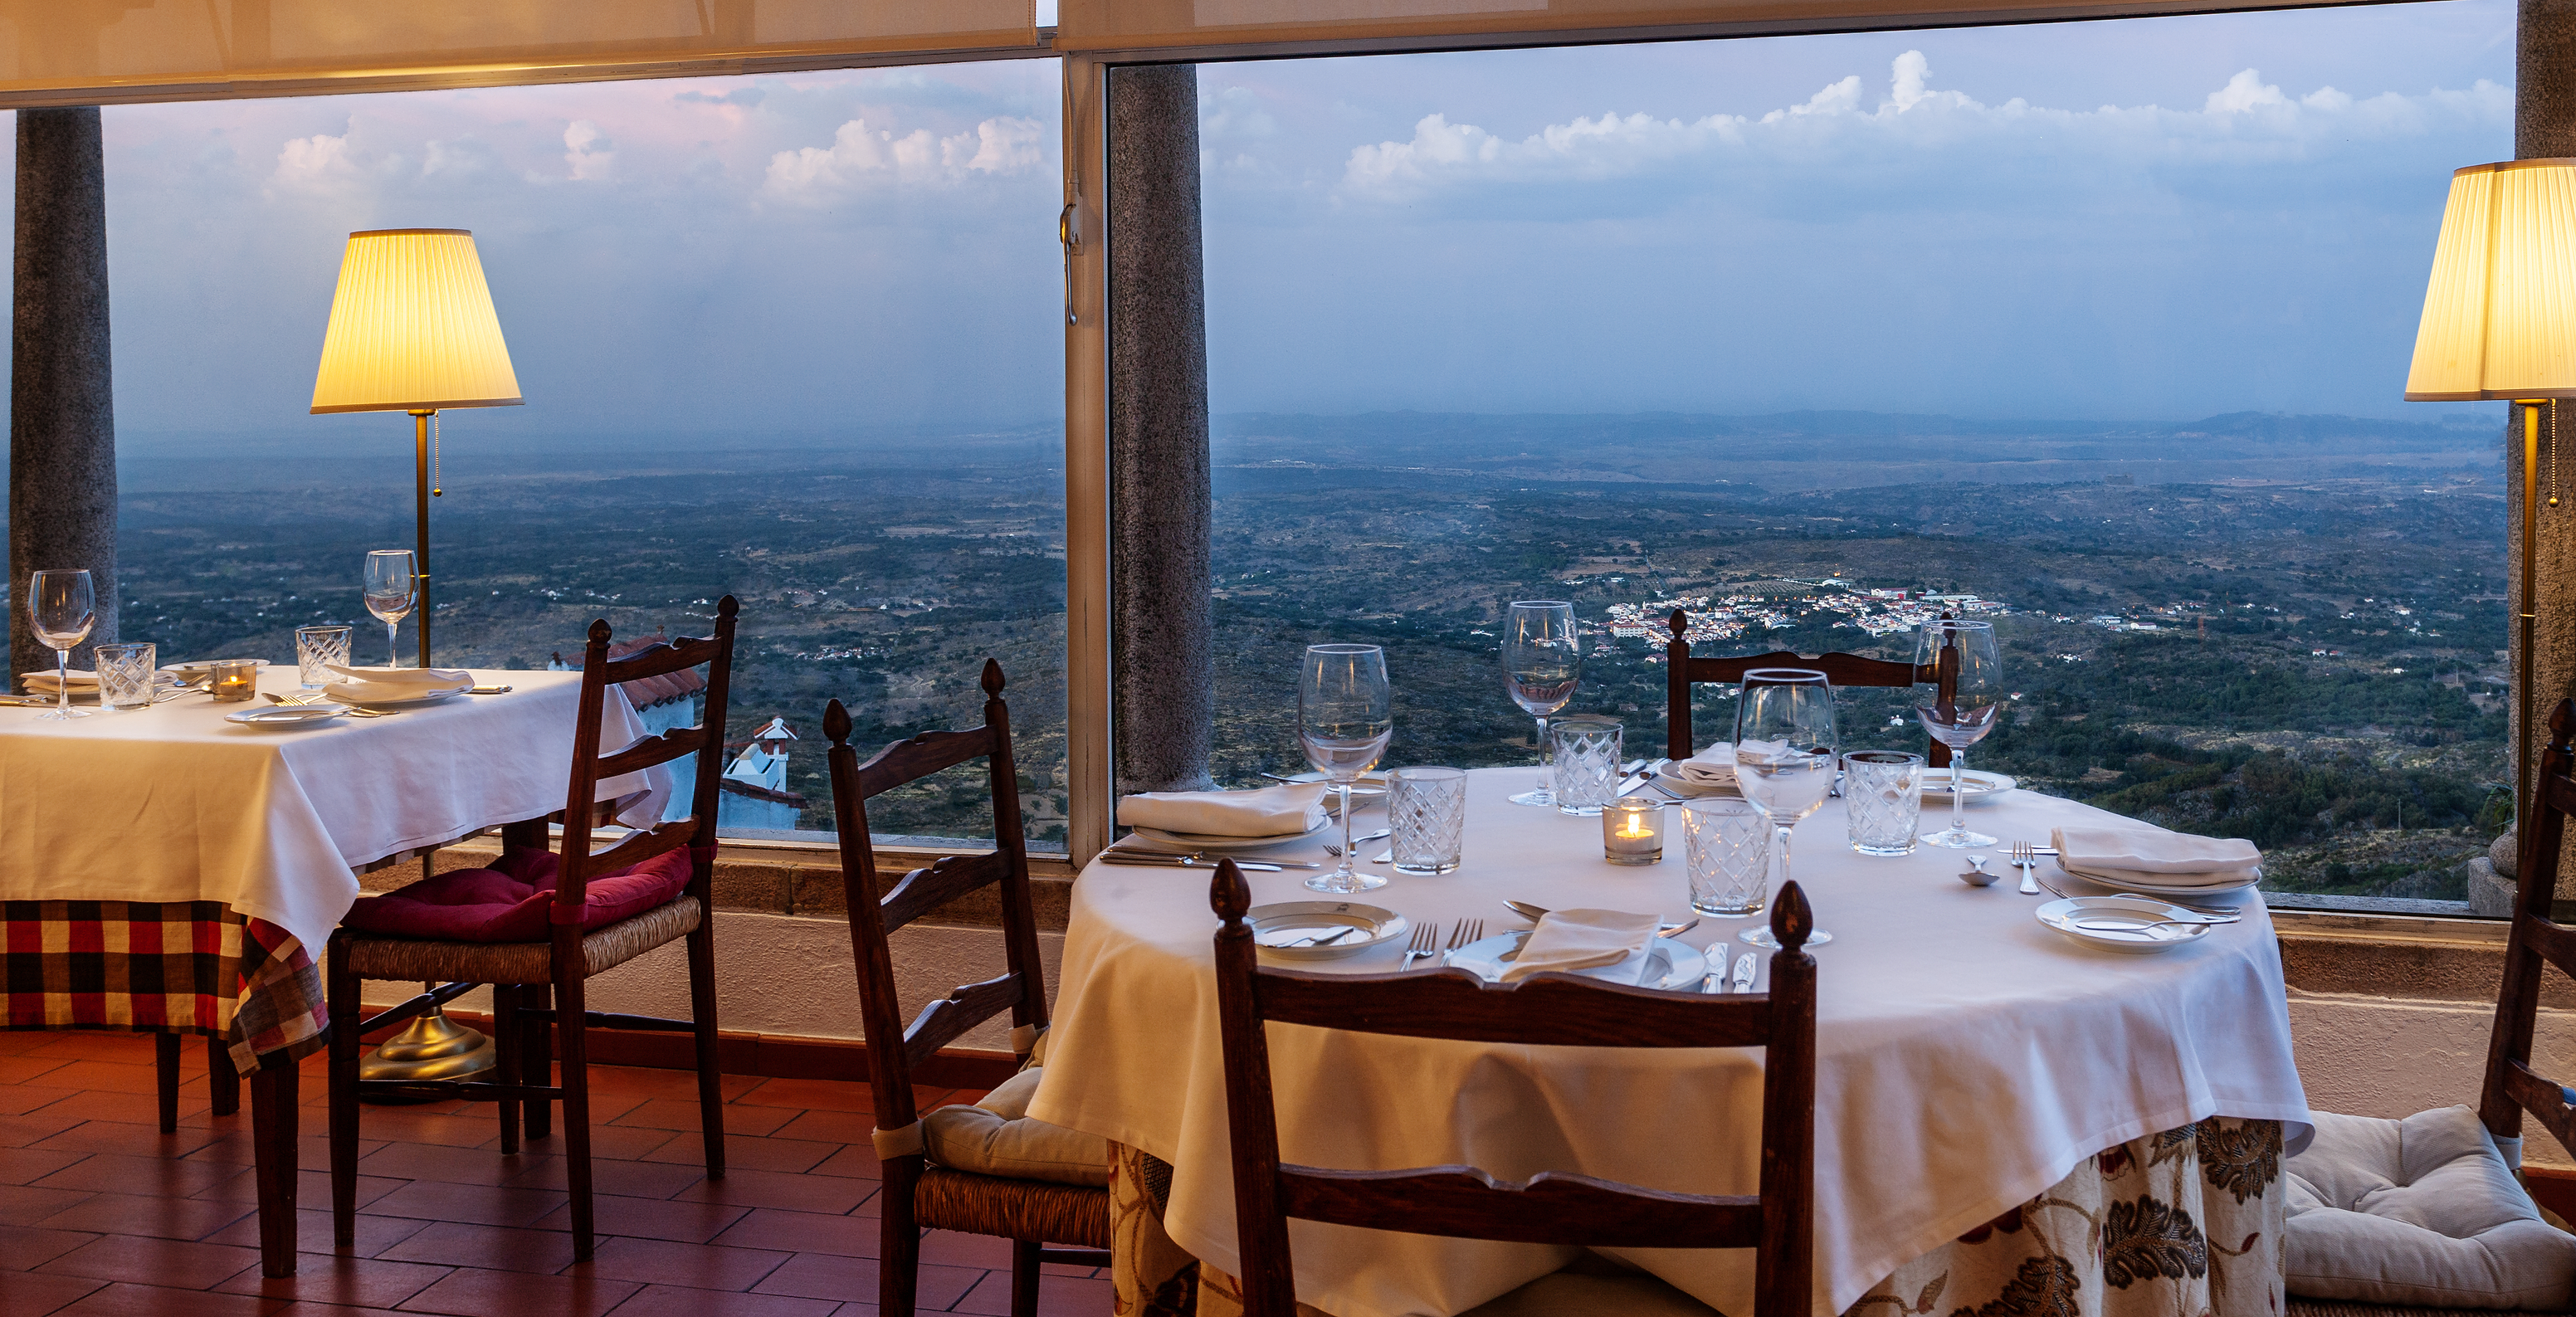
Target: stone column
(62,411)
(1162,666)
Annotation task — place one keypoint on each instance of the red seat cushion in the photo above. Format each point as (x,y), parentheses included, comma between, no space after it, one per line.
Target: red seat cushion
(508,903)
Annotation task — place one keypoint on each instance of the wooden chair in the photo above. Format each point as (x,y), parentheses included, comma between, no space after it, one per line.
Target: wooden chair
(527,975)
(2535,944)
(918,1193)
(1564,1010)
(1841,669)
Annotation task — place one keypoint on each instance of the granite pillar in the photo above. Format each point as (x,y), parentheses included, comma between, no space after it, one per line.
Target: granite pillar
(62,410)
(1162,663)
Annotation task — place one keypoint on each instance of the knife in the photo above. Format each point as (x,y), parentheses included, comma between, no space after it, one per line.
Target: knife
(1715,980)
(1744,972)
(1178,861)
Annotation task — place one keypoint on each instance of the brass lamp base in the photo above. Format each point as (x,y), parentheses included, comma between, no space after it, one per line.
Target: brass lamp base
(430,1047)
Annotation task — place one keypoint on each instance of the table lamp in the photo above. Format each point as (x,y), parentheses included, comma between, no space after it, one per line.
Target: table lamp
(2500,324)
(413,330)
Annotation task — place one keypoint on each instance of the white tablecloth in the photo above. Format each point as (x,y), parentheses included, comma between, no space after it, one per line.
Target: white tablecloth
(1968,1058)
(172,803)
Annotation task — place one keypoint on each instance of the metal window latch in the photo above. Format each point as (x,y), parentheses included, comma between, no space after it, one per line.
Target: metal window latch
(1068,231)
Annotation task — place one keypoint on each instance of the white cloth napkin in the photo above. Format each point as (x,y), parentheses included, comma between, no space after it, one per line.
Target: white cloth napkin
(1712,767)
(1290,810)
(1580,939)
(2171,859)
(413,679)
(44,681)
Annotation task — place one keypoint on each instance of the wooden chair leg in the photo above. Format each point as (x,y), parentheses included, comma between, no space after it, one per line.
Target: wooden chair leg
(505,1043)
(165,1063)
(272,1115)
(702,1012)
(341,991)
(536,1116)
(574,1043)
(899,1240)
(223,1082)
(1024,1277)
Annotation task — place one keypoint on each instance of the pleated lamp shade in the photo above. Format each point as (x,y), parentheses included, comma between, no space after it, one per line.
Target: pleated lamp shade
(2500,311)
(412,328)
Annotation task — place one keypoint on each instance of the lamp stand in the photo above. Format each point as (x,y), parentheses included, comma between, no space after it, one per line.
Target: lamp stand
(420,517)
(2526,837)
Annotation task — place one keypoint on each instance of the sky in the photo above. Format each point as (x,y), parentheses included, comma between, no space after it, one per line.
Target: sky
(2151,219)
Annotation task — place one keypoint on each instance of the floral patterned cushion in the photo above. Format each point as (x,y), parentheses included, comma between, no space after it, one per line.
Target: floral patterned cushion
(2419,1211)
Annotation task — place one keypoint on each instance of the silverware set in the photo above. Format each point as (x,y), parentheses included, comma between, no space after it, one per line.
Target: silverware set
(1196,860)
(1426,939)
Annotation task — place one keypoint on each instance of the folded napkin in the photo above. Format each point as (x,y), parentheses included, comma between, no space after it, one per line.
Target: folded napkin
(1293,809)
(417,679)
(45,683)
(2171,859)
(1580,939)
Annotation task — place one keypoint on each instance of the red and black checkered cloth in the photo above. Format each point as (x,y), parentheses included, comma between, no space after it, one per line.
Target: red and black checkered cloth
(170,967)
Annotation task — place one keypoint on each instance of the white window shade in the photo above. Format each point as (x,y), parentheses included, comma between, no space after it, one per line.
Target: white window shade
(81,52)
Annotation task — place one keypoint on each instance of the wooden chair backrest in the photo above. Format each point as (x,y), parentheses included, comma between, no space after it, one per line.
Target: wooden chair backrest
(2536,943)
(1563,1010)
(590,767)
(1021,988)
(1682,670)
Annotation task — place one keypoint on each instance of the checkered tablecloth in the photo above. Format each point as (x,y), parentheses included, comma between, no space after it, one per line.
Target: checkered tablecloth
(161,967)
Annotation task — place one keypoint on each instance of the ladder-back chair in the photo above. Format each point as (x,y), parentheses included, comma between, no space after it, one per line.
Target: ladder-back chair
(545,929)
(1560,1010)
(2535,943)
(1682,671)
(919,1192)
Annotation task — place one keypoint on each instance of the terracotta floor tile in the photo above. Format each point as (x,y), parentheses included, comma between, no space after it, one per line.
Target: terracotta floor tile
(144,1261)
(822,1276)
(473,1293)
(313,1231)
(164,1176)
(24,1126)
(810,1094)
(1058,1296)
(806,1232)
(682,1115)
(27,1165)
(694,1266)
(112,1077)
(748,1153)
(18,1100)
(421,1161)
(652,1083)
(156,1301)
(471,1130)
(828,1127)
(857,1161)
(955,1249)
(447,1243)
(473,1204)
(652,1218)
(242,1186)
(24,1206)
(614,1143)
(112,1136)
(161,1218)
(622,1178)
(16,1043)
(26,1069)
(22,1247)
(35,1296)
(355,1282)
(232,1146)
(100,1045)
(796,1193)
(673,1301)
(195,1113)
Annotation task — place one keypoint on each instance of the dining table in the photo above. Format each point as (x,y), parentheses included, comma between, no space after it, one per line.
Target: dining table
(2003,1116)
(172,871)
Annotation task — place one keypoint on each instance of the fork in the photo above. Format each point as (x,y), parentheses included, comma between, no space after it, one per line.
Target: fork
(1466,931)
(1426,942)
(2024,860)
(1335,848)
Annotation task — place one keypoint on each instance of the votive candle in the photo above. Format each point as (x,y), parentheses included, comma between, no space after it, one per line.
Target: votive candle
(1632,831)
(235,681)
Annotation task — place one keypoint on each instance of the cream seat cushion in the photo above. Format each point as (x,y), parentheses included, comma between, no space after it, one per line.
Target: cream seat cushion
(1585,1293)
(996,1137)
(2419,1211)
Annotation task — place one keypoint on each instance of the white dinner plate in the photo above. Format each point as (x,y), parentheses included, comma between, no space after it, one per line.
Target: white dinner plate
(286,715)
(1192,841)
(334,691)
(1665,962)
(1977,786)
(1682,786)
(2140,940)
(1292,930)
(2171,891)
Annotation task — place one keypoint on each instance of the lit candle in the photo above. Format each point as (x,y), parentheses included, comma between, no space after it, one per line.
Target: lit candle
(235,680)
(1632,831)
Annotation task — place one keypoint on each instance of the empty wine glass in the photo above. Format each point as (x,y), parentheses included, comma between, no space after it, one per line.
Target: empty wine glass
(1966,699)
(63,609)
(1542,664)
(1785,744)
(390,577)
(1345,716)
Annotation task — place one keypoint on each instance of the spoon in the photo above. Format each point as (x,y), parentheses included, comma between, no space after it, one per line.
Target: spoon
(1977,874)
(2142,925)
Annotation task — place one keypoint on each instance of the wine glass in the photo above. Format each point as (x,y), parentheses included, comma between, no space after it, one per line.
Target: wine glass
(1785,746)
(1345,715)
(390,577)
(1966,699)
(1542,663)
(63,609)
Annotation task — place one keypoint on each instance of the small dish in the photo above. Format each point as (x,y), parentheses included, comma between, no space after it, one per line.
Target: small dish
(390,700)
(285,715)
(1291,930)
(2143,940)
(2228,896)
(1978,787)
(1665,963)
(1193,841)
(197,672)
(1670,781)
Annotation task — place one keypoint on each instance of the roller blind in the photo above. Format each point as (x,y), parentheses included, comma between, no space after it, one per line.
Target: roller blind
(72,52)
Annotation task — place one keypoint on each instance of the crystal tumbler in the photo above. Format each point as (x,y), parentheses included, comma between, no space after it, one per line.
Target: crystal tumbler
(1587,762)
(1882,800)
(316,647)
(1726,844)
(1426,809)
(127,675)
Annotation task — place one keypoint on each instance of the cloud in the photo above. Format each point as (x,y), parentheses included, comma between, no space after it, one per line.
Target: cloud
(586,151)
(311,164)
(861,155)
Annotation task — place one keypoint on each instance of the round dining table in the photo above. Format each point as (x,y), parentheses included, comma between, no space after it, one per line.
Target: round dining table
(1968,1059)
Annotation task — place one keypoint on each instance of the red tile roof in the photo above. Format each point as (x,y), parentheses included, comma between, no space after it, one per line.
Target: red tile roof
(647,692)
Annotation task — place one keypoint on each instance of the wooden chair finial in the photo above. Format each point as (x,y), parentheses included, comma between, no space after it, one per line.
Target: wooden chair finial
(1678,624)
(1228,894)
(836,723)
(727,607)
(599,632)
(993,679)
(1791,921)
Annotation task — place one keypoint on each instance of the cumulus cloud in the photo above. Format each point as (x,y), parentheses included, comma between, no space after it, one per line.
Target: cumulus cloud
(587,152)
(319,162)
(861,155)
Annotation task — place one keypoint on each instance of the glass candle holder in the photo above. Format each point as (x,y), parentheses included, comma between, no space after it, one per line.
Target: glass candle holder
(1632,831)
(234,681)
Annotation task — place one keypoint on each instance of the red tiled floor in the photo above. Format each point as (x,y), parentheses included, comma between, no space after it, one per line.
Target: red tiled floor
(682,1116)
(859,1160)
(22,1247)
(748,1153)
(33,1296)
(805,1232)
(148,1261)
(156,1301)
(543,1252)
(475,1204)
(24,1206)
(630,1179)
(352,1282)
(375,1234)
(683,1222)
(161,1218)
(796,1193)
(96,1134)
(673,1301)
(1057,1296)
(818,1276)
(472,1293)
(166,1177)
(28,1165)
(695,1266)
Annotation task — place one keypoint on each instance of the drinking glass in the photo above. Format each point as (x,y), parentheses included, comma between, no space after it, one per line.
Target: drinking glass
(1726,845)
(1882,800)
(1784,755)
(62,609)
(1966,700)
(1427,814)
(1542,664)
(127,675)
(390,577)
(1345,716)
(317,650)
(1585,750)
